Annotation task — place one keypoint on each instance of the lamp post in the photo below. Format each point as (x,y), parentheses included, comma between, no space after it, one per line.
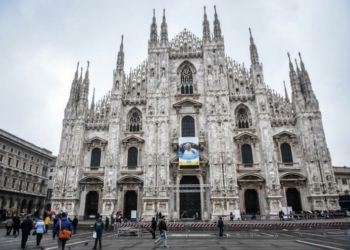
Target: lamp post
(19,200)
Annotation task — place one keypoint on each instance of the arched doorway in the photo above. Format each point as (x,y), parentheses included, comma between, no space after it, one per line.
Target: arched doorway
(3,202)
(91,204)
(24,206)
(293,199)
(190,202)
(251,199)
(30,206)
(130,203)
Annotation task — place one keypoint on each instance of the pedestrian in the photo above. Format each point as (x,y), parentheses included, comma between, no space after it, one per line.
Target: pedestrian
(231,216)
(107,223)
(16,224)
(26,226)
(291,217)
(75,224)
(47,223)
(163,232)
(9,225)
(40,229)
(55,220)
(281,215)
(112,222)
(221,227)
(154,227)
(98,228)
(63,223)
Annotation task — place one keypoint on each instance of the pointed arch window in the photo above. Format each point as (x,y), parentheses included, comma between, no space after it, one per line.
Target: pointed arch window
(132,157)
(247,154)
(242,119)
(187,127)
(286,152)
(134,121)
(95,157)
(186,81)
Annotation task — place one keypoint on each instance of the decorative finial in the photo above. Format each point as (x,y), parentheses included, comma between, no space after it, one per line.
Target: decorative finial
(122,38)
(250,31)
(215,8)
(88,65)
(77,66)
(205,9)
(154,12)
(288,56)
(163,12)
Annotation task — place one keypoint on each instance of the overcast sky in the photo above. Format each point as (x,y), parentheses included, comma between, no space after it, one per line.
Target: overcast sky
(41,42)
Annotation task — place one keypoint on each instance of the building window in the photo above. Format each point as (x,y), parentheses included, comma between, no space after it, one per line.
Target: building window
(17,163)
(25,155)
(33,189)
(134,121)
(286,152)
(27,186)
(3,147)
(24,165)
(5,181)
(95,157)
(186,81)
(20,185)
(13,183)
(30,168)
(344,181)
(37,170)
(19,152)
(49,193)
(247,154)
(50,177)
(242,119)
(11,150)
(9,161)
(1,157)
(132,157)
(188,127)
(51,170)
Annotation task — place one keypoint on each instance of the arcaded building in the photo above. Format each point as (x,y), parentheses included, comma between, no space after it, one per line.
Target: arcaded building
(258,150)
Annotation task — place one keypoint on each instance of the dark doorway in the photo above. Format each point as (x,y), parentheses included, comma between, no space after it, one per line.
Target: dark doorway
(91,204)
(30,206)
(190,202)
(251,199)
(293,199)
(130,203)
(24,206)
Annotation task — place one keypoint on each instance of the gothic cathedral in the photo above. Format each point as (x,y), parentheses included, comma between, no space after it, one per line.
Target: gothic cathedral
(259,151)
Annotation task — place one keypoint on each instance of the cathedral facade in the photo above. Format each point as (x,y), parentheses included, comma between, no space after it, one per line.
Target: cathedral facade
(259,151)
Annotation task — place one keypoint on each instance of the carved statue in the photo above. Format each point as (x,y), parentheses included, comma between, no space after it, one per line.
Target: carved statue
(174,132)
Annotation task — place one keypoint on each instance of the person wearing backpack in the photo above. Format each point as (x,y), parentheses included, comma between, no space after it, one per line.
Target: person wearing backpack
(40,229)
(61,229)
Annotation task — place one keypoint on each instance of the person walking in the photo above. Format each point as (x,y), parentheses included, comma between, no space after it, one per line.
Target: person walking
(55,220)
(107,223)
(9,225)
(154,227)
(221,227)
(63,223)
(26,226)
(16,224)
(231,216)
(281,215)
(163,232)
(98,228)
(47,223)
(75,224)
(40,229)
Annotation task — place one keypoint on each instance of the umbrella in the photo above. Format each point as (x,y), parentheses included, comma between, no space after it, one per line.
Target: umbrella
(119,212)
(52,212)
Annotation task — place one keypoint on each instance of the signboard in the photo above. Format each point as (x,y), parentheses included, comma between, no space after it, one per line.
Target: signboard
(188,151)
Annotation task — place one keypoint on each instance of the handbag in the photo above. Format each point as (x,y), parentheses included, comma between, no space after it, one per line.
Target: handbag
(34,232)
(64,234)
(94,234)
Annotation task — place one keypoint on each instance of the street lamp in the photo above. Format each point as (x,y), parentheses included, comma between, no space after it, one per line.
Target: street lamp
(19,199)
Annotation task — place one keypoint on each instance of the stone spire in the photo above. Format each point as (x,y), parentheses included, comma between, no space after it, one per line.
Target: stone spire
(92,107)
(120,60)
(164,30)
(217,29)
(154,34)
(75,87)
(298,70)
(85,89)
(254,57)
(285,92)
(291,68)
(206,27)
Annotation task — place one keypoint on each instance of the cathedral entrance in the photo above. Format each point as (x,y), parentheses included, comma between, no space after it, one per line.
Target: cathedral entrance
(293,199)
(251,199)
(130,203)
(190,200)
(91,205)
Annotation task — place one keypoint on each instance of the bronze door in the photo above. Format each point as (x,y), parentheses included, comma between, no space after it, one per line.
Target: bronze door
(251,198)
(91,205)
(293,199)
(130,203)
(190,202)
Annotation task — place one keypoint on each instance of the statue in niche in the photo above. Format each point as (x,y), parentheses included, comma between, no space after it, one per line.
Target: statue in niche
(201,133)
(174,132)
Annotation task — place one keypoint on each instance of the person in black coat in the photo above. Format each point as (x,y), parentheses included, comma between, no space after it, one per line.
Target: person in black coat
(221,227)
(16,224)
(154,227)
(75,224)
(26,226)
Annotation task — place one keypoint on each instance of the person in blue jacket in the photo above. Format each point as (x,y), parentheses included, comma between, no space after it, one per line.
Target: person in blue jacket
(40,229)
(65,224)
(98,228)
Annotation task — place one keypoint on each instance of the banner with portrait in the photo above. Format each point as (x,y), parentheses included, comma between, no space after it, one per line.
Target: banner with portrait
(188,151)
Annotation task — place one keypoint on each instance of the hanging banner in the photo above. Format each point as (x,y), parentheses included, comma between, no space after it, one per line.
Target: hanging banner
(188,151)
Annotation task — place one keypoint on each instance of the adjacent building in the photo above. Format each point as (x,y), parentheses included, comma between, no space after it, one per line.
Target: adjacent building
(23,175)
(258,150)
